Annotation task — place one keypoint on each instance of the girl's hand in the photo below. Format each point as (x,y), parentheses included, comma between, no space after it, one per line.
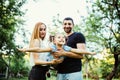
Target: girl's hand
(93,53)
(22,50)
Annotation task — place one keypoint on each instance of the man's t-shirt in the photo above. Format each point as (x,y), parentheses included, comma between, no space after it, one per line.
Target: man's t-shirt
(70,65)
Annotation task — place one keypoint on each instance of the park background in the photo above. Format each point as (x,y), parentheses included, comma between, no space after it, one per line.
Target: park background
(98,20)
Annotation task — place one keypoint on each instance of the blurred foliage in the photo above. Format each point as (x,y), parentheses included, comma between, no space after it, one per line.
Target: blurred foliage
(102,29)
(11,60)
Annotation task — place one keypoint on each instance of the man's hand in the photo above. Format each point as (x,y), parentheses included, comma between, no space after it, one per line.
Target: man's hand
(58,54)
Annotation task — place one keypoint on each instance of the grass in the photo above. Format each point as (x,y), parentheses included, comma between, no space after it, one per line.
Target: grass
(26,78)
(51,78)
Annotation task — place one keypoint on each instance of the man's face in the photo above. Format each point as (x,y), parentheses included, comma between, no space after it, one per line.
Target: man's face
(42,31)
(67,26)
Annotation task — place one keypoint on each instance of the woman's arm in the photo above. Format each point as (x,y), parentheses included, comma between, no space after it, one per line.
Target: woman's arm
(39,62)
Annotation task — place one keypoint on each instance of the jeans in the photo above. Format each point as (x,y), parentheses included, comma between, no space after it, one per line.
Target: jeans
(70,76)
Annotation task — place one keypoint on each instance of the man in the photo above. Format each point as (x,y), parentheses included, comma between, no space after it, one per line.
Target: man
(70,68)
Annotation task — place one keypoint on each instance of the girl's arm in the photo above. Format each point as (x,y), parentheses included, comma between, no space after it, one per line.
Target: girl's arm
(80,51)
(36,59)
(36,49)
(71,54)
(52,48)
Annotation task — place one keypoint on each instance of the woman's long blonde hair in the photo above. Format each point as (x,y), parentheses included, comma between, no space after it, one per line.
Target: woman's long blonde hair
(35,33)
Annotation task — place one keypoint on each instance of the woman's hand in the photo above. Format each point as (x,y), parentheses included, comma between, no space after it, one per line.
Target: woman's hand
(56,61)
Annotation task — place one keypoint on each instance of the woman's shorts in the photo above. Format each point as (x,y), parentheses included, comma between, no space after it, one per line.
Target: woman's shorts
(38,72)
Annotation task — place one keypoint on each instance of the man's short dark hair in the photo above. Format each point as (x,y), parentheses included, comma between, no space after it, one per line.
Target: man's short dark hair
(69,18)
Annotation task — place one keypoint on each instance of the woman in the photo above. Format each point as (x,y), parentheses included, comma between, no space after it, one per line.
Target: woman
(40,62)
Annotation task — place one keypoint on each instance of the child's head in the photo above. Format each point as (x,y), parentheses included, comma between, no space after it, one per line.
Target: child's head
(59,39)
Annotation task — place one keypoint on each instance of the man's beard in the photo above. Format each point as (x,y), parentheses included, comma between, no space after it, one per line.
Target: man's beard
(67,30)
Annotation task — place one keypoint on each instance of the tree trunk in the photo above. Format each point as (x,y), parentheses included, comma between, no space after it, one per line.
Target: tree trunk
(112,74)
(86,69)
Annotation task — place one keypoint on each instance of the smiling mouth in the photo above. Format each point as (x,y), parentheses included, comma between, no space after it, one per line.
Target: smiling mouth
(61,41)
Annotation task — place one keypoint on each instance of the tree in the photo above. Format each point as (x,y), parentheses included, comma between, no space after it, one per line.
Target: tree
(9,23)
(104,21)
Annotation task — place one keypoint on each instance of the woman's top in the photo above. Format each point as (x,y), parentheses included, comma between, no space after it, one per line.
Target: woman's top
(43,56)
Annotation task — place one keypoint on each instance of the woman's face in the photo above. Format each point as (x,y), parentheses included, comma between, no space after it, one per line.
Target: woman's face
(59,39)
(42,31)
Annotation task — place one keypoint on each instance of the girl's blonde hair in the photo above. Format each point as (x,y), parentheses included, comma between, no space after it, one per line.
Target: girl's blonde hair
(35,33)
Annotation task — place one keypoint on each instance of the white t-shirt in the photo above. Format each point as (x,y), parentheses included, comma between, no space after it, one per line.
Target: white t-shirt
(43,56)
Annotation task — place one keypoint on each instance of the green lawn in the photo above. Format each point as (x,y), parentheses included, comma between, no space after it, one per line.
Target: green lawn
(51,78)
(25,78)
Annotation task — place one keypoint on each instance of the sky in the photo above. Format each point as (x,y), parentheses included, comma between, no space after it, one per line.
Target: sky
(44,10)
